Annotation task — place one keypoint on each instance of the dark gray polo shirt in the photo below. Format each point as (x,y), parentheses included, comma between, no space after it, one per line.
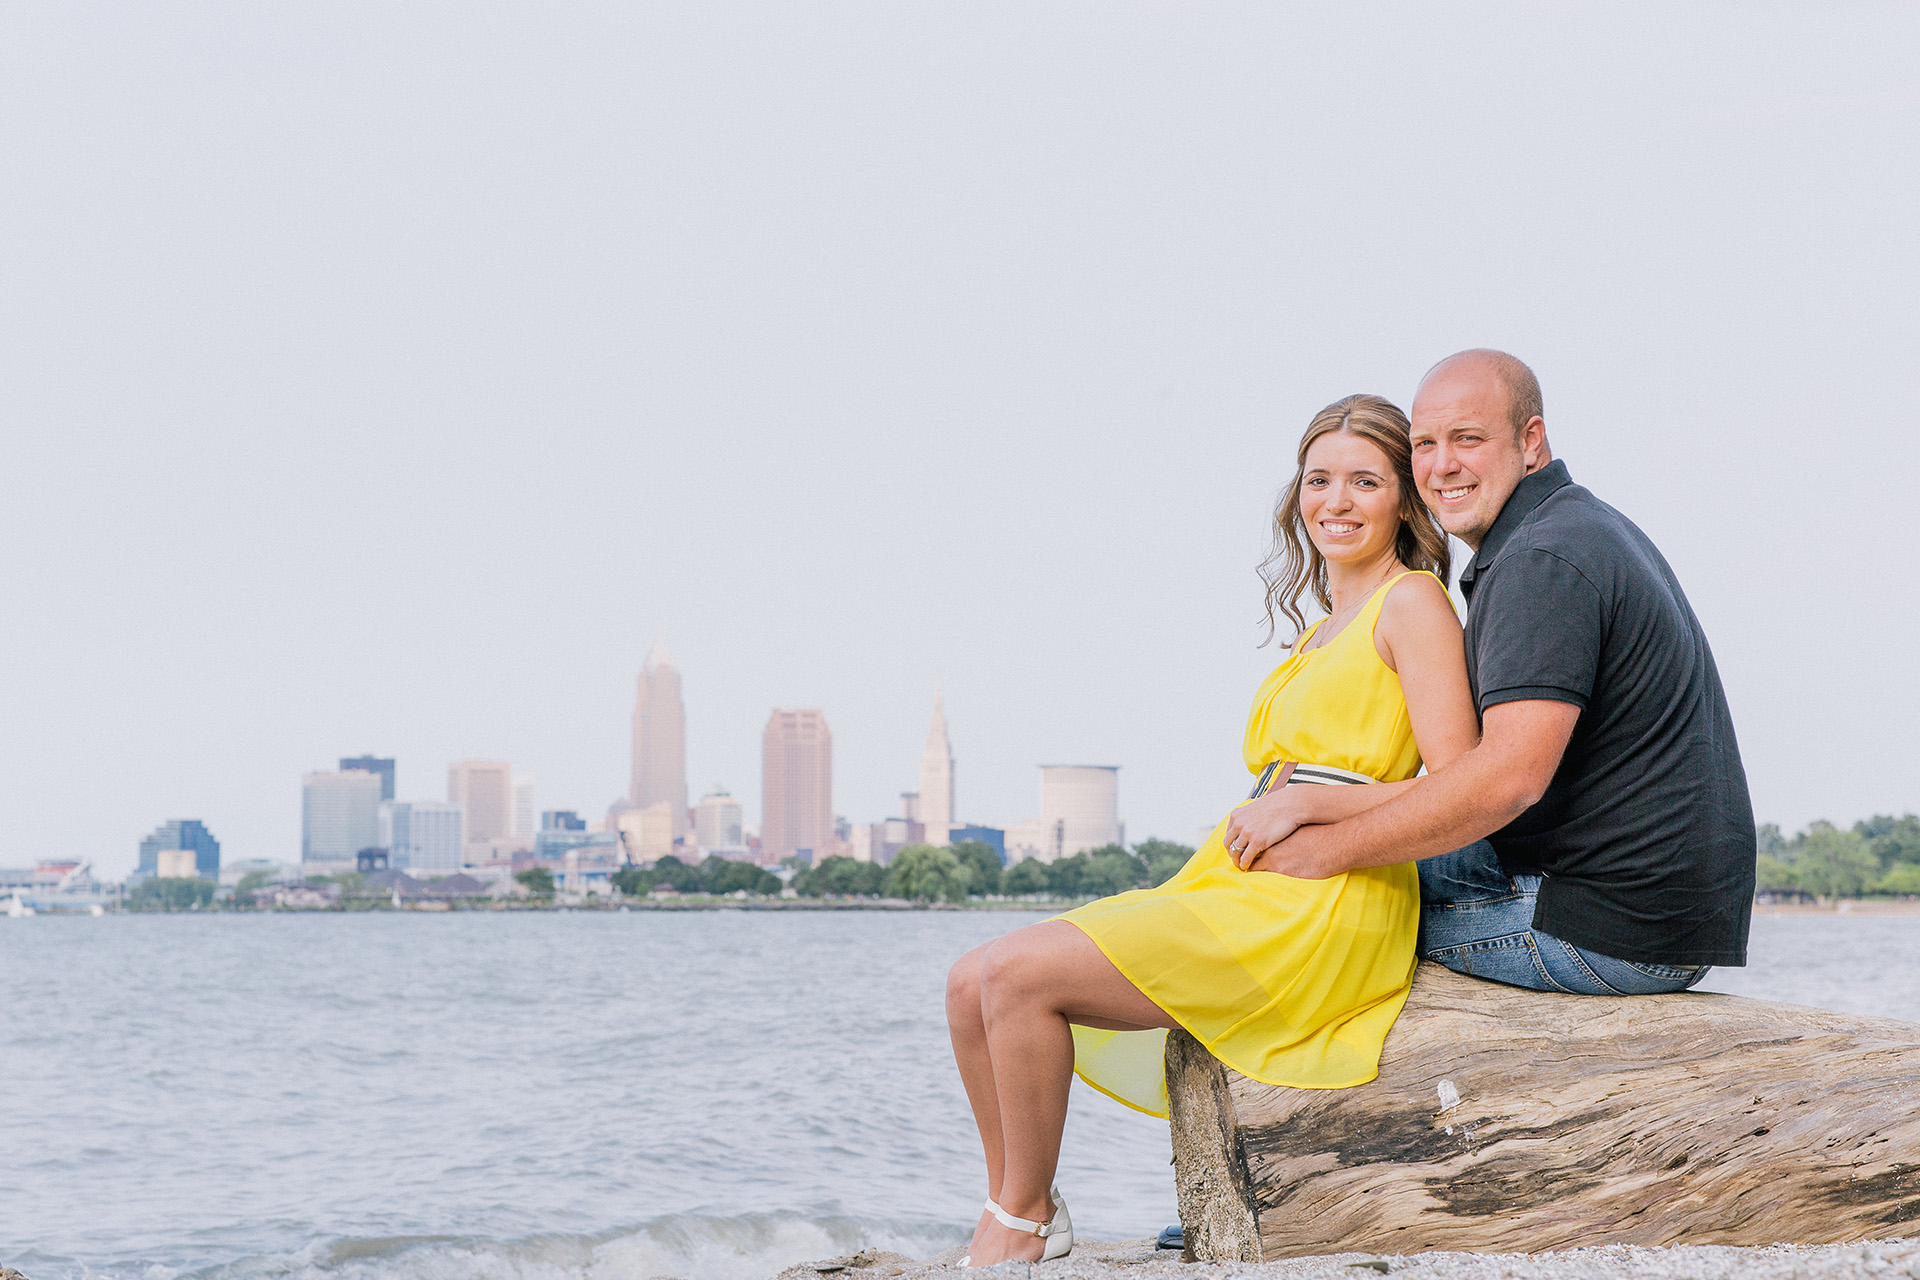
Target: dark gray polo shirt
(1645,835)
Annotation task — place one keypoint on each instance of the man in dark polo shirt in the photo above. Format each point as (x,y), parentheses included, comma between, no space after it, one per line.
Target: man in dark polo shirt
(1599,839)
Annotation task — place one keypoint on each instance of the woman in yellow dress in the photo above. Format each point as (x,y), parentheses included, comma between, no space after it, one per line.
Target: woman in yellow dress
(1293,982)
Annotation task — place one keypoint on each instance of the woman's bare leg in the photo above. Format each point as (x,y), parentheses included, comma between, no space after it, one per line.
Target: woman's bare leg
(968,1030)
(1033,983)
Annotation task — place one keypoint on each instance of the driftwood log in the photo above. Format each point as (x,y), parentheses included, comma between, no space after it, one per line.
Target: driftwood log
(1511,1121)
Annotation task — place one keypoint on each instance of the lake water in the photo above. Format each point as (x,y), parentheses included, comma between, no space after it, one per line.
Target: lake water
(577,1096)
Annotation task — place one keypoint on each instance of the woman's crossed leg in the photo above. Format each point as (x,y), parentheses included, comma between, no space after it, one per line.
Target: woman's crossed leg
(1009,1006)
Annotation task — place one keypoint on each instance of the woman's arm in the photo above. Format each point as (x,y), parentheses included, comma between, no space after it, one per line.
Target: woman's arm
(1418,636)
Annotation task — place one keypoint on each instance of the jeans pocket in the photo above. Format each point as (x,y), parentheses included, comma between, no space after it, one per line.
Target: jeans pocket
(1666,972)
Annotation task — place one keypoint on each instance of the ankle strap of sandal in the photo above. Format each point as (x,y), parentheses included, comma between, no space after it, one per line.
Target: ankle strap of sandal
(1007,1220)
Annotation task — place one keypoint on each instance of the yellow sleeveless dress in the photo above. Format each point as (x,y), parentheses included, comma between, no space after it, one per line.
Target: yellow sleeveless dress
(1291,982)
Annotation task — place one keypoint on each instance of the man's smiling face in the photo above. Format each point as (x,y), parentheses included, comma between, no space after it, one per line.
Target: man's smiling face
(1468,456)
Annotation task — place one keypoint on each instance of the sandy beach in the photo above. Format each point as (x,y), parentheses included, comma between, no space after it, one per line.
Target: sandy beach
(1893,1259)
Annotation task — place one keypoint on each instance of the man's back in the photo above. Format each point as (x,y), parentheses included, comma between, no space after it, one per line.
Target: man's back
(1645,834)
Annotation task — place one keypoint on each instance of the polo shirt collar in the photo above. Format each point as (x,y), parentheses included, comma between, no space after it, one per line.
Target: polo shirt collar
(1528,494)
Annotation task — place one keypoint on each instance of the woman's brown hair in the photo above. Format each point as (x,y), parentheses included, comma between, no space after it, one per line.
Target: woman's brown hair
(1294,564)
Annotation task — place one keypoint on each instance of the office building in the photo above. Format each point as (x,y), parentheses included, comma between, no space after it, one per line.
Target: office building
(1080,806)
(993,837)
(524,809)
(339,816)
(551,844)
(718,822)
(648,833)
(562,820)
(660,739)
(181,833)
(423,835)
(936,777)
(796,784)
(484,791)
(176,864)
(382,765)
(1079,810)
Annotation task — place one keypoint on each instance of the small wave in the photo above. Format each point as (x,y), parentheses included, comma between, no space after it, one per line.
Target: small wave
(749,1246)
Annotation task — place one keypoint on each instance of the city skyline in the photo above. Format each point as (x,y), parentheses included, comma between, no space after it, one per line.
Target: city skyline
(896,417)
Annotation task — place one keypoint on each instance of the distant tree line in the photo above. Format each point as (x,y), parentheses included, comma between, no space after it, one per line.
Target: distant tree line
(1880,857)
(925,873)
(173,893)
(716,875)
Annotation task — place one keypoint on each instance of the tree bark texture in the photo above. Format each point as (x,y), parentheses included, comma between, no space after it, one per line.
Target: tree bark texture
(1506,1120)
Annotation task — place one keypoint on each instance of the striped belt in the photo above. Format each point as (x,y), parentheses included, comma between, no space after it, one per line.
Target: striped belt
(1287,773)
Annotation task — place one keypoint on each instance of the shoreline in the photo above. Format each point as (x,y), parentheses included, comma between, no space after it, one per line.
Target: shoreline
(1896,1258)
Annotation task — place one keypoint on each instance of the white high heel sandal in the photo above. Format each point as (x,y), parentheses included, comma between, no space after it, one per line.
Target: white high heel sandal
(1058,1232)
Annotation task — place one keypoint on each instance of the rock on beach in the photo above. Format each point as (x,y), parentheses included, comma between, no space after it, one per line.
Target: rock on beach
(1139,1260)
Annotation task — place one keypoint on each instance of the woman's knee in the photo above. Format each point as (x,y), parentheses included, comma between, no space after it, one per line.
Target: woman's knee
(1013,969)
(963,987)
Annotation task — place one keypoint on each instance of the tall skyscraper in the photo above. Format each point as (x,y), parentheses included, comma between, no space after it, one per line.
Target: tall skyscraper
(660,739)
(339,816)
(936,777)
(182,833)
(796,784)
(525,812)
(484,791)
(382,765)
(423,835)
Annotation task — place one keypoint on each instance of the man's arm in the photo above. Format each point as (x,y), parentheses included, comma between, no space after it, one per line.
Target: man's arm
(1486,788)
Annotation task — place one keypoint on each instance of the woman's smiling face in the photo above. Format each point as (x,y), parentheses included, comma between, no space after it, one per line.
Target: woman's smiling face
(1349,499)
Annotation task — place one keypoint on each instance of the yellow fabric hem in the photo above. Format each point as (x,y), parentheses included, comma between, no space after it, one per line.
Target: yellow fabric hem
(1132,1106)
(1369,1078)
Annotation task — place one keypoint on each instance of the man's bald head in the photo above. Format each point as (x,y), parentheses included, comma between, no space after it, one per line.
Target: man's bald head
(1523,389)
(1477,432)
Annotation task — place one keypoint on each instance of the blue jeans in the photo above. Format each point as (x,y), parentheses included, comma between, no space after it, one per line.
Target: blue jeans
(1478,920)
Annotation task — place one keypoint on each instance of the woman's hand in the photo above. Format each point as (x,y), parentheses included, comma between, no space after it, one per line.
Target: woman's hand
(1258,825)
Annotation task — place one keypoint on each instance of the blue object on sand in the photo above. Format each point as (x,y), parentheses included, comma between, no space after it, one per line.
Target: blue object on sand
(1172,1238)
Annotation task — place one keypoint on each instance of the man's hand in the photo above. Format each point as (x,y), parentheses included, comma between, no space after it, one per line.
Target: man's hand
(1305,855)
(1260,824)
(1479,793)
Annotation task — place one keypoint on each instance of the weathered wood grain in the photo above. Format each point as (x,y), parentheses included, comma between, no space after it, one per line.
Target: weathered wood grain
(1579,1120)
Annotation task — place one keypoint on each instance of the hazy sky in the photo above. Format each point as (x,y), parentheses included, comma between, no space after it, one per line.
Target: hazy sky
(388,377)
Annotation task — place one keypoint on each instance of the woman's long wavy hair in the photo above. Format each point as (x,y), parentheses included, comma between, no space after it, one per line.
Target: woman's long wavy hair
(1294,564)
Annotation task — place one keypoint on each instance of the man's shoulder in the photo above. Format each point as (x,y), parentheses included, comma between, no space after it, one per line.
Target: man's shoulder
(1575,526)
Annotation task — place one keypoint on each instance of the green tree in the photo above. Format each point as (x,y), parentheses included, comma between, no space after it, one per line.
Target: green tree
(1162,858)
(729,875)
(841,877)
(1111,869)
(539,881)
(922,873)
(631,880)
(1065,876)
(1025,879)
(1833,863)
(1902,881)
(1893,840)
(1774,876)
(250,883)
(671,873)
(980,859)
(1771,843)
(173,893)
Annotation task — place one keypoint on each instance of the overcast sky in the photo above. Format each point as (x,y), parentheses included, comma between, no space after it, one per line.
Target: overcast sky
(388,377)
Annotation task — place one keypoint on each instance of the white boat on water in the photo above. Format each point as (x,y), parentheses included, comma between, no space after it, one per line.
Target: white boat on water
(17,908)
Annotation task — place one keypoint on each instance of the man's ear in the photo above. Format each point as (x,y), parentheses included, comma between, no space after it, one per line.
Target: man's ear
(1533,444)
